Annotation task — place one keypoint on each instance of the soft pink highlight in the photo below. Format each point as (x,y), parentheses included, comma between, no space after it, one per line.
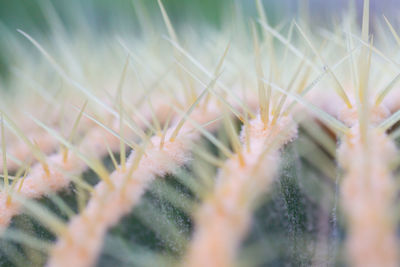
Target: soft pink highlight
(82,243)
(224,217)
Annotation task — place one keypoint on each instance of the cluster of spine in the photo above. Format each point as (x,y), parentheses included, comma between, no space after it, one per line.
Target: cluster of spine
(41,180)
(55,171)
(223,216)
(80,244)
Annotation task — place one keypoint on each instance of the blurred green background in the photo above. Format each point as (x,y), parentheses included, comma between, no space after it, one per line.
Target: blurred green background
(100,15)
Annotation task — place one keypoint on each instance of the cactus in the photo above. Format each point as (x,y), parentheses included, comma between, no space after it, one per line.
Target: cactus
(259,145)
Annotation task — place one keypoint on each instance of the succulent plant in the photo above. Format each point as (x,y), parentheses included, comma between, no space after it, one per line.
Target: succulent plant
(251,144)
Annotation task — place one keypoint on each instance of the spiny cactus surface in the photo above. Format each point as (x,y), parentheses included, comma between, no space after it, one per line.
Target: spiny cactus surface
(168,144)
